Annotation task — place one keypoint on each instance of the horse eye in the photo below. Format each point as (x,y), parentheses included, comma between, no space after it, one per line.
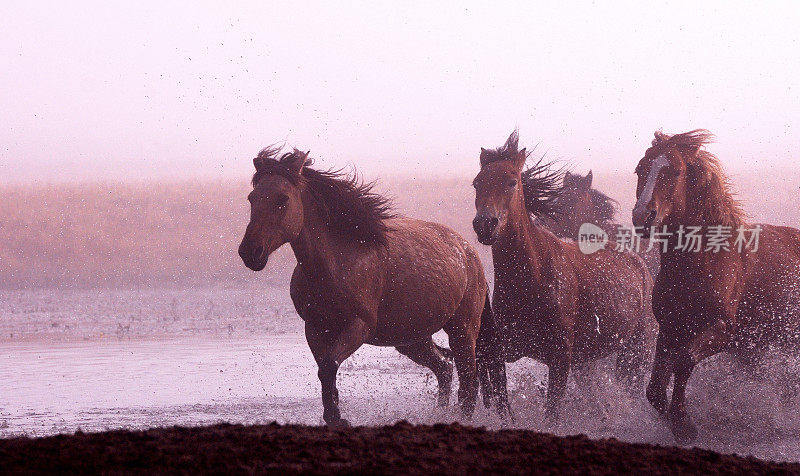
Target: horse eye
(512,183)
(281,201)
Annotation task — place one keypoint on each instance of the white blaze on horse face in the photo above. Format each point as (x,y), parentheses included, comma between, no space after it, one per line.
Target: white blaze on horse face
(647,194)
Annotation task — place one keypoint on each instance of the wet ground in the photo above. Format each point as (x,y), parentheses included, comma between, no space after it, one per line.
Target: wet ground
(136,359)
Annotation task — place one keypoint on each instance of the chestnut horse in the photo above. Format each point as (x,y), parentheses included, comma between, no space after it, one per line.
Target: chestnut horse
(742,299)
(366,276)
(577,203)
(552,302)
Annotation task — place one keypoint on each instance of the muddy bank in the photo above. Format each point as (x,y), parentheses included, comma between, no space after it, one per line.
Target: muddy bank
(398,448)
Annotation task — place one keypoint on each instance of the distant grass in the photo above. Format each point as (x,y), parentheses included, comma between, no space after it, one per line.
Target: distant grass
(113,234)
(109,235)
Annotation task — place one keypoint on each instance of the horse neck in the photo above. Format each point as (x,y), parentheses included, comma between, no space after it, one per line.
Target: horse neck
(518,249)
(316,249)
(696,214)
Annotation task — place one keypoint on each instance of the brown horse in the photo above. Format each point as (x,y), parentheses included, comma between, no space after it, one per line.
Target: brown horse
(708,300)
(366,276)
(577,203)
(552,302)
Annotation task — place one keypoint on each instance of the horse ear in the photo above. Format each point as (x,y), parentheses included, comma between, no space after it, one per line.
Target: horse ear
(258,162)
(485,156)
(298,161)
(587,181)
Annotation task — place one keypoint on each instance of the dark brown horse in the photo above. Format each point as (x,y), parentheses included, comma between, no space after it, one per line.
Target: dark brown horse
(707,300)
(366,276)
(552,302)
(577,203)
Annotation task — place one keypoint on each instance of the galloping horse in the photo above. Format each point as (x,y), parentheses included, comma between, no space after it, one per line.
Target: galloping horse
(578,203)
(366,276)
(728,297)
(552,302)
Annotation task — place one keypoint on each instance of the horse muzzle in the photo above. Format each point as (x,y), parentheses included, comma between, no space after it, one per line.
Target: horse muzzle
(254,258)
(485,227)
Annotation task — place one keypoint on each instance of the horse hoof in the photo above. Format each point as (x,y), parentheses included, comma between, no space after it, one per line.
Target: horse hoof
(507,420)
(551,419)
(505,414)
(684,430)
(340,423)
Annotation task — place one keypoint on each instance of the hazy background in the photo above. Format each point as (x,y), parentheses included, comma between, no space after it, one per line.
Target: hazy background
(127,132)
(112,90)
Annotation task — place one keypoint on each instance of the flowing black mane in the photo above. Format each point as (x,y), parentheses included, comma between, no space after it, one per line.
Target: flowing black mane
(541,185)
(507,151)
(541,182)
(349,206)
(605,206)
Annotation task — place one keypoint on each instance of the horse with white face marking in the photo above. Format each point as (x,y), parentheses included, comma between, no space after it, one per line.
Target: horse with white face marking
(709,300)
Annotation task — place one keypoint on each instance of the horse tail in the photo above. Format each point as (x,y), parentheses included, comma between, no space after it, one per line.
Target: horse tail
(491,363)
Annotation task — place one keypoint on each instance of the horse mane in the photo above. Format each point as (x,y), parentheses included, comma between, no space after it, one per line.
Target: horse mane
(348,205)
(507,151)
(605,206)
(540,182)
(541,185)
(708,187)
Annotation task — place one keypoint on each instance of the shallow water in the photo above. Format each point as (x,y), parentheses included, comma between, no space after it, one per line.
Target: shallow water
(82,378)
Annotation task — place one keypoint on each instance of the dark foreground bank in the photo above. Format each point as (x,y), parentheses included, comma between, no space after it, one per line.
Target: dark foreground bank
(401,448)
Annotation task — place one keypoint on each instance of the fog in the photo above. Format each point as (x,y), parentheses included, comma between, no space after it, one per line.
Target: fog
(127,133)
(132,92)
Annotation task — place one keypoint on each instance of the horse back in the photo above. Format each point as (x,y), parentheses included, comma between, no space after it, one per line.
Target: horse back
(429,272)
(405,289)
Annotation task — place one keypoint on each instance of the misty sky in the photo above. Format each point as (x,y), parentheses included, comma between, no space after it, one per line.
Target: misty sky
(110,90)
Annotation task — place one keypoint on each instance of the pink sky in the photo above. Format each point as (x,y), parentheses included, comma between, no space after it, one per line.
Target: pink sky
(107,90)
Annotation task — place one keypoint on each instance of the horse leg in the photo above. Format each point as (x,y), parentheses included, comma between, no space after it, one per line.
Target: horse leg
(462,342)
(557,375)
(659,378)
(427,355)
(330,349)
(683,428)
(705,344)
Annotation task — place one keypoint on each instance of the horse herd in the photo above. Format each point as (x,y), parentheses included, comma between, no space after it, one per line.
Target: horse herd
(365,275)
